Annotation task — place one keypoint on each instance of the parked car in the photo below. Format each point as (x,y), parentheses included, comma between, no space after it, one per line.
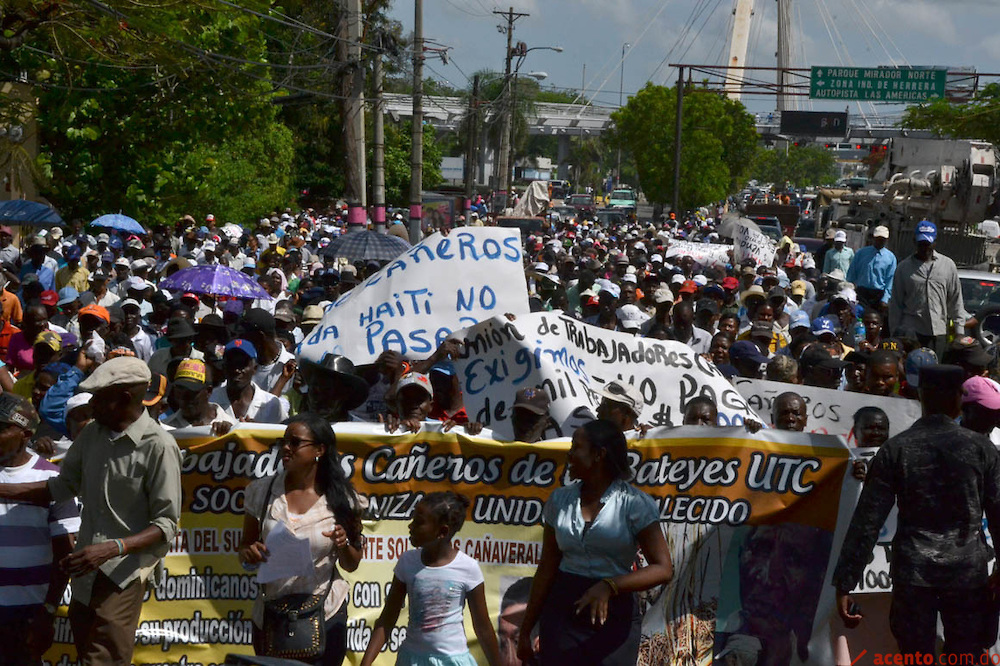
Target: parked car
(583,203)
(527,225)
(981,297)
(623,199)
(769,226)
(611,218)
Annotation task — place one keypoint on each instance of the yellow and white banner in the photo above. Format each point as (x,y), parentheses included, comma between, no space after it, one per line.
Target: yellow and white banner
(752,522)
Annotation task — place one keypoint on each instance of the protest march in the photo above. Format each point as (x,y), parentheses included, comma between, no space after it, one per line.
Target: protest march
(643,444)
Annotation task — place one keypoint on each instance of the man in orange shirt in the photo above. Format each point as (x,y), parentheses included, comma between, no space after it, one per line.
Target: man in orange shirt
(10,304)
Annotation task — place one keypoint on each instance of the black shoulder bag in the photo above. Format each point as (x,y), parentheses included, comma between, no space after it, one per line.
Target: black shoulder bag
(295,624)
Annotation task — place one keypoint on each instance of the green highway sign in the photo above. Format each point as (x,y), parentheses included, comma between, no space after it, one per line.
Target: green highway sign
(877,84)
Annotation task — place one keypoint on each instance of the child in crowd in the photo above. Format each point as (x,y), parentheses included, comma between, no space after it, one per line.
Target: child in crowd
(439,579)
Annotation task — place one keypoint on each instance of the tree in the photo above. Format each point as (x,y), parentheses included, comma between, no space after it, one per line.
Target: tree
(799,166)
(978,118)
(718,141)
(398,145)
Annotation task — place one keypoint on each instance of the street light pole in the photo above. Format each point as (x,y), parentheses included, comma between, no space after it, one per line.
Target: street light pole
(621,91)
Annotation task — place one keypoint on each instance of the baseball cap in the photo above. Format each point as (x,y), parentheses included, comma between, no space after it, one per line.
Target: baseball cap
(627,394)
(746,350)
(982,391)
(535,400)
(49,298)
(95,310)
(823,325)
(103,238)
(414,379)
(241,345)
(926,232)
(798,288)
(688,287)
(138,265)
(50,339)
(129,302)
(191,374)
(631,317)
(15,410)
(72,253)
(830,233)
(815,356)
(799,319)
(840,236)
(881,232)
(156,390)
(67,295)
(966,350)
(915,360)
(730,283)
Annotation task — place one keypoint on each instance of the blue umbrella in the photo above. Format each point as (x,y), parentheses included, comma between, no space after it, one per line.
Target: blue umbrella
(28,213)
(119,222)
(215,280)
(366,246)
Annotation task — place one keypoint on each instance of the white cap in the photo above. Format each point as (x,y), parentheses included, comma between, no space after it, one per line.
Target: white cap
(663,295)
(103,238)
(139,264)
(541,267)
(881,232)
(78,400)
(700,280)
(840,236)
(656,258)
(630,278)
(678,278)
(209,246)
(631,317)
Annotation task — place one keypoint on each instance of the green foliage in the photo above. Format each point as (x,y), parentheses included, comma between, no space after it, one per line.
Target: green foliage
(978,118)
(800,166)
(398,142)
(718,141)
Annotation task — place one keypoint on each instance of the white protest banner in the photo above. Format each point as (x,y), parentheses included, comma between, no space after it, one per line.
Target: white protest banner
(752,244)
(572,361)
(830,411)
(443,284)
(706,254)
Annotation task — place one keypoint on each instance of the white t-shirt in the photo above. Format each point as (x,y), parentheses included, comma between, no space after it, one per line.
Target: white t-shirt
(437,602)
(263,407)
(268,375)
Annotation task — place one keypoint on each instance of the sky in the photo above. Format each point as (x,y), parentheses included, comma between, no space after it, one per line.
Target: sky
(863,33)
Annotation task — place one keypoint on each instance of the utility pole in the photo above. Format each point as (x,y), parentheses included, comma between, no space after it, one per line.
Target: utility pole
(378,129)
(676,203)
(354,127)
(417,145)
(503,165)
(470,148)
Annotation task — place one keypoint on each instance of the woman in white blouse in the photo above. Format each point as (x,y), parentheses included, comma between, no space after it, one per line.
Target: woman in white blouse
(584,588)
(313,499)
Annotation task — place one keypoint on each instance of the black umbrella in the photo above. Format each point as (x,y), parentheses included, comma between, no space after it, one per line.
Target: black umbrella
(366,246)
(28,213)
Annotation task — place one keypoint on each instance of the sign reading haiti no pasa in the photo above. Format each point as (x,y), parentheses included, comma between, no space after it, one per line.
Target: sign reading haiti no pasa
(877,84)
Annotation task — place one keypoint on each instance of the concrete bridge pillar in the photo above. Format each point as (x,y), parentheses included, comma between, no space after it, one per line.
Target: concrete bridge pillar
(562,157)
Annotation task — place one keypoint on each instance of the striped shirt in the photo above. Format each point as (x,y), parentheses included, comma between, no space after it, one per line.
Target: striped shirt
(26,533)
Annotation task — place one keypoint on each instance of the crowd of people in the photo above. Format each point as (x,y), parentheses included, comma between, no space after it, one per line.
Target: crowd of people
(99,363)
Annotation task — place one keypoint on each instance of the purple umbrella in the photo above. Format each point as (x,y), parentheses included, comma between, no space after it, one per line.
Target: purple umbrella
(215,280)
